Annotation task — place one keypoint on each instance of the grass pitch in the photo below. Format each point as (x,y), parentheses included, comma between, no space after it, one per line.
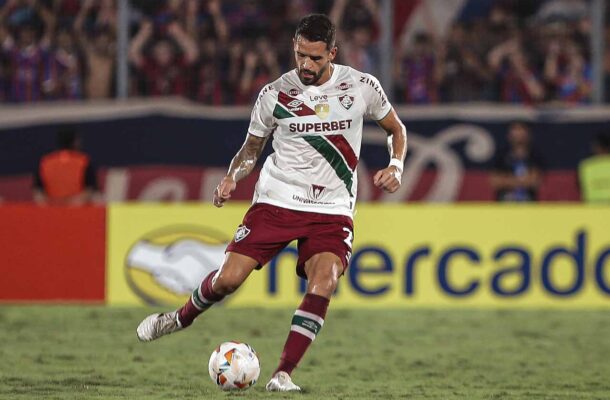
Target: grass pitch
(70,352)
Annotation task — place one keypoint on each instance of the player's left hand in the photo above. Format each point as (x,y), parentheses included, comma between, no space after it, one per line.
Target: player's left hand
(389,179)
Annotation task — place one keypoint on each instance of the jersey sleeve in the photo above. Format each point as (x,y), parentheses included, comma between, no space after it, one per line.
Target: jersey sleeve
(262,121)
(377,104)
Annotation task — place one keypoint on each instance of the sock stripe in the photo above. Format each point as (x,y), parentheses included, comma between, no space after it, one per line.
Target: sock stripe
(202,297)
(305,332)
(311,316)
(197,301)
(306,323)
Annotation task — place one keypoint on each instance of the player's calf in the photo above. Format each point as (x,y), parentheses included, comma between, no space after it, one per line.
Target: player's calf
(202,298)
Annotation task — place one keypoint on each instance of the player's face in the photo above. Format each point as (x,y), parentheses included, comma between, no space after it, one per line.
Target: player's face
(313,60)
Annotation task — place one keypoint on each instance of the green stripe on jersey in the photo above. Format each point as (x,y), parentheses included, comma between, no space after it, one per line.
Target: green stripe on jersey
(334,159)
(306,323)
(280,113)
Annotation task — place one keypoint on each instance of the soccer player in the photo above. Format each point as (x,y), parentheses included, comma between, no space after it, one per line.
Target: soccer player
(306,190)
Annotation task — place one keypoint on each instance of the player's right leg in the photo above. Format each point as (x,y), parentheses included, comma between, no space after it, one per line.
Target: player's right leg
(214,287)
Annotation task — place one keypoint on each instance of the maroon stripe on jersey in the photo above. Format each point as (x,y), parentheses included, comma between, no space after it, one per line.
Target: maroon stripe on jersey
(345,149)
(300,110)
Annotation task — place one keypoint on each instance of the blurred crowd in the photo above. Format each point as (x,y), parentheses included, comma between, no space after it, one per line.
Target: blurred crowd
(222,52)
(519,51)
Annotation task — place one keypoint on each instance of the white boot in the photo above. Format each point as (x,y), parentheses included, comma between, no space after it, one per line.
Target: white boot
(281,382)
(156,325)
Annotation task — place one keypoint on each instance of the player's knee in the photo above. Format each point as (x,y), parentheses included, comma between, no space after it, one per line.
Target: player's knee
(323,280)
(226,283)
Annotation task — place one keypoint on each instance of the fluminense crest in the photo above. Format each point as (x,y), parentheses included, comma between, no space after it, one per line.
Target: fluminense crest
(346,101)
(241,233)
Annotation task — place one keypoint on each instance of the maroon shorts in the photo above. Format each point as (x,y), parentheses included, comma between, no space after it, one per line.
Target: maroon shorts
(267,229)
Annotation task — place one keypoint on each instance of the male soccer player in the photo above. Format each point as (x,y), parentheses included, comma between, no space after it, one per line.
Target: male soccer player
(306,190)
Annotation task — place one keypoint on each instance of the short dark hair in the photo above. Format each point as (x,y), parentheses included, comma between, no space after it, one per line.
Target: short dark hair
(317,28)
(66,137)
(603,141)
(522,123)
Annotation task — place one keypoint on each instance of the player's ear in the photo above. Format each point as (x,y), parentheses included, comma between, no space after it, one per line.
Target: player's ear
(332,53)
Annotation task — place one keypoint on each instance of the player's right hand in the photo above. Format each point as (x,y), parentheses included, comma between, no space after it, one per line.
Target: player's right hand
(223,191)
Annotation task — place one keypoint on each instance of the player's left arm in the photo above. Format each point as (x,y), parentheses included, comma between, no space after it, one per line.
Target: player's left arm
(389,178)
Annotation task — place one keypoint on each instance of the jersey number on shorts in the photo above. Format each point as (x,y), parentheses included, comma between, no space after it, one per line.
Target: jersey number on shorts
(350,237)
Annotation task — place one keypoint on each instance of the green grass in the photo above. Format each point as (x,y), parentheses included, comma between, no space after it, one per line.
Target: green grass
(69,352)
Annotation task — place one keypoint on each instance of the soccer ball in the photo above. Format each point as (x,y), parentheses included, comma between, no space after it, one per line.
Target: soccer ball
(234,365)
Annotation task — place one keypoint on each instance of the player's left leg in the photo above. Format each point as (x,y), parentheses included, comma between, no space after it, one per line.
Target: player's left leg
(263,235)
(214,287)
(323,271)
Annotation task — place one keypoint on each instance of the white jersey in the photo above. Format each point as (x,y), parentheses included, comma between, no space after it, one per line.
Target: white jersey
(317,133)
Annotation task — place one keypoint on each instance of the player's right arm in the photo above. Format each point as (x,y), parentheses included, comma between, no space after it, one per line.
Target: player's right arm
(262,125)
(242,164)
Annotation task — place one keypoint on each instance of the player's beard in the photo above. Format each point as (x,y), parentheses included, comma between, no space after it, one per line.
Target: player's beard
(314,78)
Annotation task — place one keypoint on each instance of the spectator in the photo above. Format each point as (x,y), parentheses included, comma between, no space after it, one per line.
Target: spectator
(66,11)
(349,14)
(29,62)
(67,68)
(207,22)
(99,49)
(465,77)
(517,173)
(211,29)
(594,172)
(420,72)
(260,67)
(567,73)
(65,176)
(355,33)
(500,27)
(359,51)
(519,82)
(165,72)
(106,15)
(208,77)
(290,15)
(235,60)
